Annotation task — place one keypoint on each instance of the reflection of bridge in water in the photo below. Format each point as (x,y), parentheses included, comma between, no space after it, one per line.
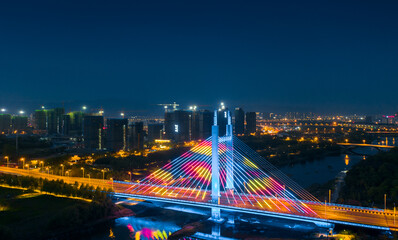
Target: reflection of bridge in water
(224,174)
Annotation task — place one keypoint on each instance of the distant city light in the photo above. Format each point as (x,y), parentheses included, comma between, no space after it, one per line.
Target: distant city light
(42,107)
(84,107)
(122,114)
(222,106)
(21,112)
(101,112)
(3,110)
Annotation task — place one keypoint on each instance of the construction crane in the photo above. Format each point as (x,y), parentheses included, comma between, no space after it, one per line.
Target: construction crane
(167,105)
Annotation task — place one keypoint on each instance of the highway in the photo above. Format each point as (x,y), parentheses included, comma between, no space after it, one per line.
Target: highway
(334,213)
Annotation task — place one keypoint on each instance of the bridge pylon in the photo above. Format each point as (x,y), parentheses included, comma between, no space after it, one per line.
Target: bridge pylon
(215,171)
(230,155)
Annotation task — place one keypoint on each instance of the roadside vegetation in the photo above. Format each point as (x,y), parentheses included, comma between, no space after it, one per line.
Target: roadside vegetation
(30,213)
(368,181)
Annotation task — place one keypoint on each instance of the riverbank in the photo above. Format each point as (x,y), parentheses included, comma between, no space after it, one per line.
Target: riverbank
(373,182)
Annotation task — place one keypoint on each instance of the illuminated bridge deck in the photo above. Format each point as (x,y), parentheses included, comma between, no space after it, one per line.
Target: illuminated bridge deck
(335,213)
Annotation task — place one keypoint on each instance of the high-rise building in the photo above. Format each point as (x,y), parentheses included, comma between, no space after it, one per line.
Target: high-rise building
(5,123)
(177,125)
(136,135)
(251,122)
(155,131)
(239,121)
(55,119)
(187,125)
(40,120)
(116,134)
(73,123)
(19,123)
(93,132)
(206,119)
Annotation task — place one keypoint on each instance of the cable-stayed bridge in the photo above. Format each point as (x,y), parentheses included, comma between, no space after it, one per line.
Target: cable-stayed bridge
(224,174)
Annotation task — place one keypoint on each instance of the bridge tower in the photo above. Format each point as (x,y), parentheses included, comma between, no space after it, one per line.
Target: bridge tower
(230,154)
(215,171)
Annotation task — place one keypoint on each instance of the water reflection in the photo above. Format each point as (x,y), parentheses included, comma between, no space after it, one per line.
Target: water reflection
(347,160)
(143,228)
(153,222)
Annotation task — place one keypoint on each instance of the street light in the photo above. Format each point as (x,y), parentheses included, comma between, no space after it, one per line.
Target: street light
(6,157)
(88,178)
(23,161)
(21,112)
(385,202)
(83,171)
(62,172)
(130,175)
(3,110)
(84,107)
(103,174)
(330,194)
(27,166)
(42,165)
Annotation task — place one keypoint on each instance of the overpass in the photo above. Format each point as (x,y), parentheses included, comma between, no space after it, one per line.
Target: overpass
(224,174)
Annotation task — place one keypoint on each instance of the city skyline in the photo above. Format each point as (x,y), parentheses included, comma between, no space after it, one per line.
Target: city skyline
(277,57)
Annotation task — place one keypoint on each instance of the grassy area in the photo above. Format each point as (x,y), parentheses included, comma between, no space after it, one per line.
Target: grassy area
(27,214)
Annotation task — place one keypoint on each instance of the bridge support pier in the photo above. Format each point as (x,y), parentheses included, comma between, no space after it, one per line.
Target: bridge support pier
(216,230)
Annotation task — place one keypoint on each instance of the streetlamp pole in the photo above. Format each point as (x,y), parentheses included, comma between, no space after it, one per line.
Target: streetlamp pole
(8,162)
(62,172)
(23,162)
(330,194)
(83,171)
(385,202)
(130,176)
(394,213)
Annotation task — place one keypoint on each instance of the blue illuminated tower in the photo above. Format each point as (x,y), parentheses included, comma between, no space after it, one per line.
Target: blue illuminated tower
(230,156)
(215,170)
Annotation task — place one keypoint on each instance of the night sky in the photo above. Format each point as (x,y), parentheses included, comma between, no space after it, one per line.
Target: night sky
(319,56)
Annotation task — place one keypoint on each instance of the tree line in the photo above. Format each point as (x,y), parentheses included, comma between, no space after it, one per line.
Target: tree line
(55,187)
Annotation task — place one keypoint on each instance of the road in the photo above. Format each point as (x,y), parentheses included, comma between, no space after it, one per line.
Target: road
(334,212)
